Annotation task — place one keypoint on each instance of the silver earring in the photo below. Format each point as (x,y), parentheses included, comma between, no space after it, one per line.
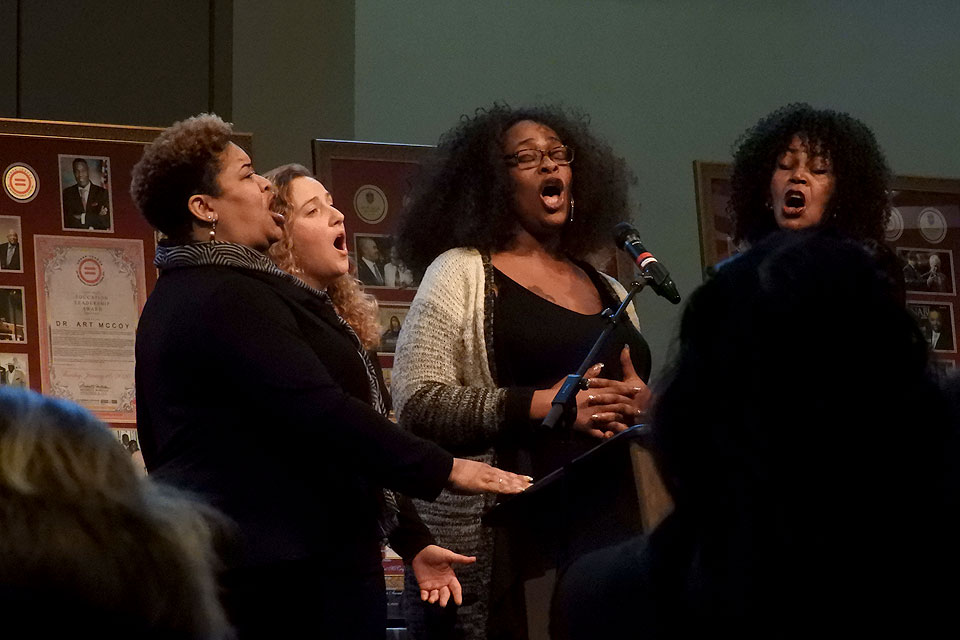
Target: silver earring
(213,228)
(570,213)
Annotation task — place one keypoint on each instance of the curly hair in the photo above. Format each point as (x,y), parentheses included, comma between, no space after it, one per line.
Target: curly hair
(359,309)
(859,206)
(465,196)
(183,161)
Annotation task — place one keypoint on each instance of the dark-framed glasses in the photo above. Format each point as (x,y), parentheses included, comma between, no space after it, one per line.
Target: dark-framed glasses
(529,158)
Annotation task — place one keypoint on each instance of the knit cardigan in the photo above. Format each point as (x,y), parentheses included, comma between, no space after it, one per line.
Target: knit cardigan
(445,389)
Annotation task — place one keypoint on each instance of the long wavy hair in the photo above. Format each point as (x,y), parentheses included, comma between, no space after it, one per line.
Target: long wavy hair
(859,206)
(465,196)
(359,309)
(88,542)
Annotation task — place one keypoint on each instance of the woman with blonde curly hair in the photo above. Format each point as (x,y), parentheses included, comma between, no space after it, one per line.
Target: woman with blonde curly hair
(359,309)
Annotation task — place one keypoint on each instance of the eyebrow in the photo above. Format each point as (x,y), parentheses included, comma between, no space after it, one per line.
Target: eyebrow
(529,140)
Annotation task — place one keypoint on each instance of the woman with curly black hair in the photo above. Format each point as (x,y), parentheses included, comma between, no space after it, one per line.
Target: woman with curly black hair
(503,224)
(799,167)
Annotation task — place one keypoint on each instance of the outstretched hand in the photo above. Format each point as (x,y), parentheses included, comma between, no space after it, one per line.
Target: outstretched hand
(472,477)
(433,569)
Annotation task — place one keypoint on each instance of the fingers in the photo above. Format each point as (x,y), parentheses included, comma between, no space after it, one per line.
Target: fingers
(505,482)
(456,558)
(457,591)
(434,596)
(444,596)
(626,363)
(424,594)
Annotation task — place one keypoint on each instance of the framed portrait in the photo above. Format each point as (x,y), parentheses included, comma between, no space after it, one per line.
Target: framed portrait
(12,326)
(86,196)
(15,369)
(928,270)
(370,183)
(392,317)
(11,247)
(937,323)
(378,264)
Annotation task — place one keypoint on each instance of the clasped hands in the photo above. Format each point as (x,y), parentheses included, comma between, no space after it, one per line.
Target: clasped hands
(606,407)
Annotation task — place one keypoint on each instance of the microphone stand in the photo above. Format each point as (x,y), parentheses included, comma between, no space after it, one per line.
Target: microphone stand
(563,410)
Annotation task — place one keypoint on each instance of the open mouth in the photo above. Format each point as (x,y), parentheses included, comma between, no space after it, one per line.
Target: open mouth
(278,218)
(794,202)
(552,192)
(340,242)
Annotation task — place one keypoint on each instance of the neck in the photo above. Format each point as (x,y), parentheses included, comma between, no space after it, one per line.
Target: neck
(526,244)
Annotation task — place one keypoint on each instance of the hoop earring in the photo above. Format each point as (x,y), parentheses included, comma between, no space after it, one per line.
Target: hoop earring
(213,228)
(570,213)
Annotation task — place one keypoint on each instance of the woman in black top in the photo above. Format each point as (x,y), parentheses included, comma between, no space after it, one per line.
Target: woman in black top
(236,360)
(507,308)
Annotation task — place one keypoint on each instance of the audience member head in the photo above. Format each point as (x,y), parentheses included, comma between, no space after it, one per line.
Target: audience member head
(89,546)
(800,167)
(797,422)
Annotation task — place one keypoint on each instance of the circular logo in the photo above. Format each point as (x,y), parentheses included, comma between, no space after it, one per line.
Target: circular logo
(894,228)
(933,226)
(20,182)
(370,203)
(89,271)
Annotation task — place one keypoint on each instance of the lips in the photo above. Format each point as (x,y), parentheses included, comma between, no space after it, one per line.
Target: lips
(340,242)
(552,193)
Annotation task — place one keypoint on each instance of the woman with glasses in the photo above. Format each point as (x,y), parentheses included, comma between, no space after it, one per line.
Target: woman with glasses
(503,224)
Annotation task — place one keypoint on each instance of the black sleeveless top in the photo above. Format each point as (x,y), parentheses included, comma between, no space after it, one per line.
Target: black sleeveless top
(537,342)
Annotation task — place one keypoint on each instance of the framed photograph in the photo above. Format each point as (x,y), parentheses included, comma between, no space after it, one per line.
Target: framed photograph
(15,369)
(378,264)
(392,317)
(12,326)
(11,250)
(86,197)
(370,183)
(937,323)
(928,270)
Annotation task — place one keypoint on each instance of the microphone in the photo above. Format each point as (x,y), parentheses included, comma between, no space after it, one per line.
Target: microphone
(655,273)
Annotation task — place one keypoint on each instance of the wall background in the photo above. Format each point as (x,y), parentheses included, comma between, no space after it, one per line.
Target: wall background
(665,82)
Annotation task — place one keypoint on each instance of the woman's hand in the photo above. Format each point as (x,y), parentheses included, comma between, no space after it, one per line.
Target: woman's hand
(599,414)
(433,569)
(632,387)
(471,477)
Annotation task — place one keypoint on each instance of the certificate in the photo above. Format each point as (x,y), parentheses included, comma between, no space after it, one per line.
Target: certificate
(90,294)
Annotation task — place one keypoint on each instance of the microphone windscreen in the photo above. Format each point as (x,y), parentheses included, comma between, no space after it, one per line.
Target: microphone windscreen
(622,231)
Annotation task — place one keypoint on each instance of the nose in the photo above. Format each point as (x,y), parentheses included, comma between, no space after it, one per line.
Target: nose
(339,216)
(548,164)
(264,183)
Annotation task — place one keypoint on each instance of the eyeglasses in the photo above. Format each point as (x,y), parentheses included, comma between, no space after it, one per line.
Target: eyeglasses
(529,158)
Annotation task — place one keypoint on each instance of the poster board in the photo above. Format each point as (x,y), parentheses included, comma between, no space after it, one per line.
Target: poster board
(66,205)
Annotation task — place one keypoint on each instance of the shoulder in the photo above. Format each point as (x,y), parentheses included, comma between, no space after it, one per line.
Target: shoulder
(218,290)
(454,268)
